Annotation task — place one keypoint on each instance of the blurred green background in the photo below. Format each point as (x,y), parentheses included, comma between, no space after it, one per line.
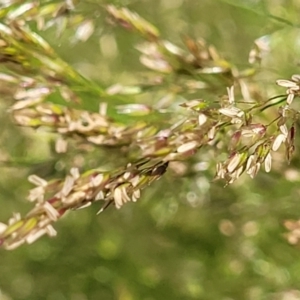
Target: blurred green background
(187,237)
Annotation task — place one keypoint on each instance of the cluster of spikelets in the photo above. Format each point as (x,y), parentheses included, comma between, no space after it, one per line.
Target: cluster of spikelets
(226,123)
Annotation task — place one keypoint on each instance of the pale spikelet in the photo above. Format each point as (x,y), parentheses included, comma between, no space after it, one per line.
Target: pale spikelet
(26,103)
(99,196)
(233,162)
(293,88)
(5,77)
(236,121)
(36,180)
(35,235)
(202,118)
(221,171)
(156,64)
(98,140)
(211,133)
(296,78)
(118,197)
(44,109)
(61,146)
(250,162)
(247,133)
(286,83)
(96,181)
(236,174)
(284,130)
(253,130)
(2,227)
(68,186)
(268,162)
(290,99)
(293,235)
(136,195)
(254,170)
(239,172)
(50,211)
(187,147)
(135,180)
(103,109)
(22,120)
(75,173)
(50,230)
(127,175)
(230,92)
(231,112)
(75,197)
(125,196)
(33,94)
(15,218)
(278,141)
(132,20)
(36,194)
(85,30)
(15,244)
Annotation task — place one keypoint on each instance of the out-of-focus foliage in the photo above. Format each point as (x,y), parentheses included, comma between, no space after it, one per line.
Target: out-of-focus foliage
(187,237)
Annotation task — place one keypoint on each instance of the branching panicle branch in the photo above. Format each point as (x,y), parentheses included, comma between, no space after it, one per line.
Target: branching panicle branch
(36,72)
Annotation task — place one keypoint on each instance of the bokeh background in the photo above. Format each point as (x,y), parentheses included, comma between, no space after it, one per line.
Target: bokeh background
(187,237)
